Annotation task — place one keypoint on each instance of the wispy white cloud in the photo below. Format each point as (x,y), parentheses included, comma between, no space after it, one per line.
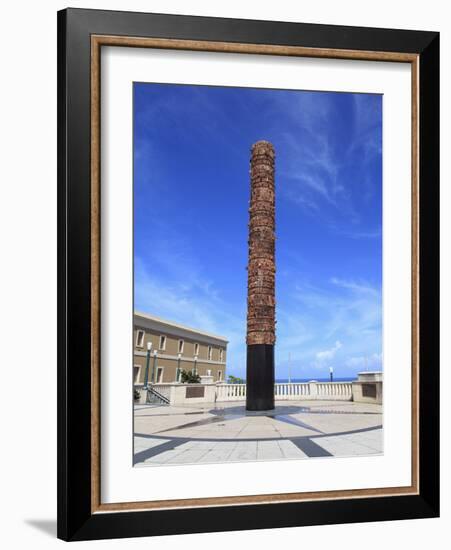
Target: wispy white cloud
(317,167)
(177,289)
(356,287)
(328,354)
(295,332)
(346,315)
(376,234)
(311,166)
(367,139)
(371,361)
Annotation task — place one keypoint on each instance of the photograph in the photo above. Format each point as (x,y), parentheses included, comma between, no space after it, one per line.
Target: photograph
(248,273)
(258,275)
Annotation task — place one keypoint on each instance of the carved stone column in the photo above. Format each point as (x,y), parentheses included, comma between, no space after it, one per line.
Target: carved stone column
(261,281)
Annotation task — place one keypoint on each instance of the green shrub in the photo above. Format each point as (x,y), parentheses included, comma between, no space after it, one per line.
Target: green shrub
(235,380)
(189,377)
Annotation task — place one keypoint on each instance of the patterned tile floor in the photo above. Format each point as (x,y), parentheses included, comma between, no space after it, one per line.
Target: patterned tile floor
(226,432)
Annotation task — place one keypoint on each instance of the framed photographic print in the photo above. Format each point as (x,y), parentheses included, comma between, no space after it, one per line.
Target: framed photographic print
(248,274)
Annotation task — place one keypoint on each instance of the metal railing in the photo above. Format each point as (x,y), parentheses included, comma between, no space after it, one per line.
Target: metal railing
(160,393)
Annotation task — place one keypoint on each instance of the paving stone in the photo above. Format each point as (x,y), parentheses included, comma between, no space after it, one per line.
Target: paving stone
(228,434)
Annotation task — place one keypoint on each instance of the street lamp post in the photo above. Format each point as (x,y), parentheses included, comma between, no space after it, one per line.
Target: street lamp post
(154,365)
(195,365)
(146,374)
(331,373)
(178,367)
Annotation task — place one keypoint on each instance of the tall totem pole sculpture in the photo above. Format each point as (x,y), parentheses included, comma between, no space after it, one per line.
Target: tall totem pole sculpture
(261,334)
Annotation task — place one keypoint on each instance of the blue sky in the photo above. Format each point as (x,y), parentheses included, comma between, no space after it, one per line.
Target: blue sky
(191,193)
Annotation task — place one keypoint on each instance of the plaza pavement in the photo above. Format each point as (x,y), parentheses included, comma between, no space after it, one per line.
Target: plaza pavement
(226,432)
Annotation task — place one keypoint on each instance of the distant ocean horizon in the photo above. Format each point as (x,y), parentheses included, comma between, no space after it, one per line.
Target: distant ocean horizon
(311,379)
(303,380)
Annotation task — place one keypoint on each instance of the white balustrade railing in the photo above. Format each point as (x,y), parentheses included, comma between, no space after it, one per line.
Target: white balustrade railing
(294,391)
(291,391)
(230,392)
(333,390)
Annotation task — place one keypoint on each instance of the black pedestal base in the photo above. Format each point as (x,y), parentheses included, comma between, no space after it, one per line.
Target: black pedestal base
(260,377)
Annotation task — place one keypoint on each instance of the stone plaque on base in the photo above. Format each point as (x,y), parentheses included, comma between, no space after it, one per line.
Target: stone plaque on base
(195,391)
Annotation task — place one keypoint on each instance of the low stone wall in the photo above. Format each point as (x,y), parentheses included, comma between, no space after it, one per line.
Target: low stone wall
(366,389)
(367,392)
(185,394)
